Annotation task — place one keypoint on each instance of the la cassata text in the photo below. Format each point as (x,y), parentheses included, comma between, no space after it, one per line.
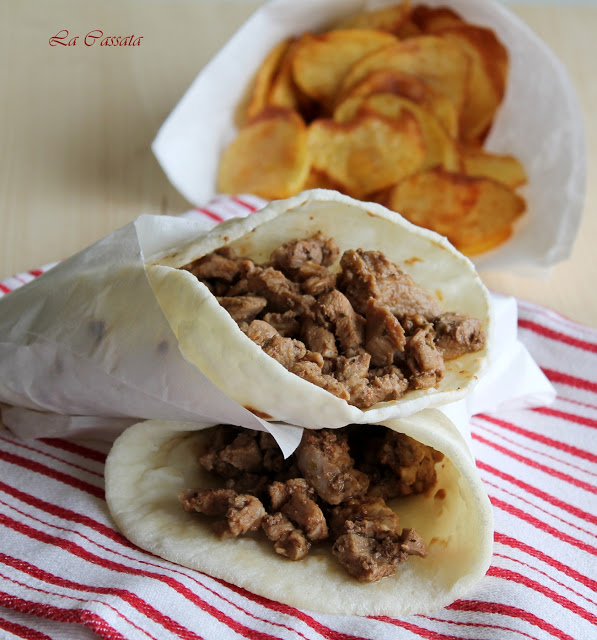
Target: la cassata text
(94,37)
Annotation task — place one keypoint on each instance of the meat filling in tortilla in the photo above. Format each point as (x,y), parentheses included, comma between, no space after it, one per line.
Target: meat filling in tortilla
(333,490)
(364,330)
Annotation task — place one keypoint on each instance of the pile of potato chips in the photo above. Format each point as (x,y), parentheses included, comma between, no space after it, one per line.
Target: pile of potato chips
(392,106)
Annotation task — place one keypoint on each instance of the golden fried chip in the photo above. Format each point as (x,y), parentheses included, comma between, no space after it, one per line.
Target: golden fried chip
(440,149)
(268,157)
(367,154)
(487,84)
(391,19)
(441,64)
(503,168)
(265,78)
(429,19)
(408,86)
(320,180)
(321,61)
(476,214)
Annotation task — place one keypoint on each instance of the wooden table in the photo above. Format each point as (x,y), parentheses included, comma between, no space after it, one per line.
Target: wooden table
(76,125)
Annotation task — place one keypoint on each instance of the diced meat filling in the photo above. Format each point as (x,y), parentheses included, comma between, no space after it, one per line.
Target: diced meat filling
(333,488)
(357,326)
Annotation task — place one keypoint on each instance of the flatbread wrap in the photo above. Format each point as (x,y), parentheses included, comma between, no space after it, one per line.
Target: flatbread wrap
(368,240)
(153,467)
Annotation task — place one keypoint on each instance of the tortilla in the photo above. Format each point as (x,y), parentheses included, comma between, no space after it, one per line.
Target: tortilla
(153,461)
(210,339)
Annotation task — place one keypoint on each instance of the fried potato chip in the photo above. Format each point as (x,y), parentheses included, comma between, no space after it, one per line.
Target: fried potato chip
(441,150)
(320,62)
(429,19)
(408,86)
(503,168)
(441,64)
(475,214)
(487,83)
(391,19)
(265,78)
(268,157)
(320,180)
(367,154)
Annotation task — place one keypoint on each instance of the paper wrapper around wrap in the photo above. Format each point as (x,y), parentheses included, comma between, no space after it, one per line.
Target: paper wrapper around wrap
(86,351)
(539,122)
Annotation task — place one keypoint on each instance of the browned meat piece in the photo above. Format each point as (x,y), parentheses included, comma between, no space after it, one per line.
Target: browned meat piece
(384,335)
(230,460)
(423,359)
(242,308)
(413,544)
(315,279)
(368,559)
(294,499)
(261,332)
(285,350)
(457,334)
(399,466)
(281,293)
(244,514)
(288,540)
(354,374)
(368,516)
(286,324)
(319,339)
(219,264)
(369,274)
(211,502)
(311,372)
(385,384)
(316,249)
(335,311)
(325,462)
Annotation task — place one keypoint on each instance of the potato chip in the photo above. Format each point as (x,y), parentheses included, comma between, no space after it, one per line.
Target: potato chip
(367,154)
(408,86)
(265,78)
(440,149)
(391,19)
(268,157)
(320,180)
(429,19)
(487,83)
(475,214)
(320,62)
(436,61)
(503,168)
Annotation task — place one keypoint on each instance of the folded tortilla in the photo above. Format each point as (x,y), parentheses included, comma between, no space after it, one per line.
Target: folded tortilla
(211,339)
(153,461)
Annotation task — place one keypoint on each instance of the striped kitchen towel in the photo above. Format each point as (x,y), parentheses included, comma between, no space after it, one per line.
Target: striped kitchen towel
(66,572)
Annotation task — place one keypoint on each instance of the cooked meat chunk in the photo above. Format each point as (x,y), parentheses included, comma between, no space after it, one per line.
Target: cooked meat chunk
(319,339)
(286,324)
(399,465)
(387,383)
(457,334)
(369,274)
(288,540)
(423,359)
(220,265)
(315,279)
(211,502)
(413,544)
(368,559)
(285,350)
(368,516)
(244,514)
(325,462)
(281,293)
(240,455)
(316,249)
(311,372)
(294,499)
(242,308)
(335,311)
(384,335)
(261,332)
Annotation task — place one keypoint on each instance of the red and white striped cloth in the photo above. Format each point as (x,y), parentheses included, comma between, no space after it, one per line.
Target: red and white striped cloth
(65,572)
